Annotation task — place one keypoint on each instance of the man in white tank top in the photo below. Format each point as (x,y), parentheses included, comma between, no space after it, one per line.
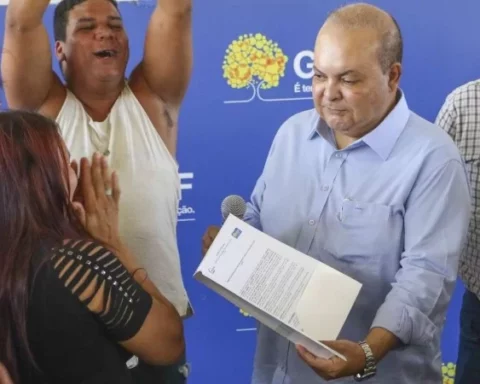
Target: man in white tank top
(133,122)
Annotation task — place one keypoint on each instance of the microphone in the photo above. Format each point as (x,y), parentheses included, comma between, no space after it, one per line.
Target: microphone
(234,205)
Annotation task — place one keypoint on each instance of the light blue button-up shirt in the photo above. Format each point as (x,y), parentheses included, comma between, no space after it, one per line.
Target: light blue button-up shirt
(392,211)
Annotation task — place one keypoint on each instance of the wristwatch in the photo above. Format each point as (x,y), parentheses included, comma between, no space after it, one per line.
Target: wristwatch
(370,365)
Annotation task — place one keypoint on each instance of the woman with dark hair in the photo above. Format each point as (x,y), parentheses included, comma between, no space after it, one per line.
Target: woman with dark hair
(74,302)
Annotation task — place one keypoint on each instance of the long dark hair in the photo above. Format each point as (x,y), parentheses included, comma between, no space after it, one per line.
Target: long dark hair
(35,211)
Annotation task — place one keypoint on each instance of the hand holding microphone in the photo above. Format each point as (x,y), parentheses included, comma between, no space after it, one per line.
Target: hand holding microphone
(232,204)
(208,238)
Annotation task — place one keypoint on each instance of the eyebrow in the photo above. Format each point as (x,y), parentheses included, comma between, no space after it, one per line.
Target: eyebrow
(347,72)
(85,20)
(91,19)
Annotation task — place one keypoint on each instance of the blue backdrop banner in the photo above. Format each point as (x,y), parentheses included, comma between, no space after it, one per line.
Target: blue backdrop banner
(237,101)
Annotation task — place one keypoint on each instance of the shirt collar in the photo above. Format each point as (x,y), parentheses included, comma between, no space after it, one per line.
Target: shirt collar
(382,139)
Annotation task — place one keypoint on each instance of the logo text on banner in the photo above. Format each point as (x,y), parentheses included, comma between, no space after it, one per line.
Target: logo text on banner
(184,211)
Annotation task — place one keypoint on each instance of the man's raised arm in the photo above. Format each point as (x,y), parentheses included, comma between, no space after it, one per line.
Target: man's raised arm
(27,74)
(167,61)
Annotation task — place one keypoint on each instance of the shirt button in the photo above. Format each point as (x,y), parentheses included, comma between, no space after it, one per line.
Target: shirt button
(311,222)
(325,188)
(339,155)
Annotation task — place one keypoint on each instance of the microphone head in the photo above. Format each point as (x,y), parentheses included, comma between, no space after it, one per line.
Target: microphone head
(234,205)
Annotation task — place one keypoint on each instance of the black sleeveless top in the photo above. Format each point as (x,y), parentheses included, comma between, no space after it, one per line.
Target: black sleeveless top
(82,303)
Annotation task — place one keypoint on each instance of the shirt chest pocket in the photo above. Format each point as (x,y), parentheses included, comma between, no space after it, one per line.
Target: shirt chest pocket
(363,230)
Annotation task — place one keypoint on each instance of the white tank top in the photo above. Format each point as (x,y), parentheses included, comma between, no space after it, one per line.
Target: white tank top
(149,181)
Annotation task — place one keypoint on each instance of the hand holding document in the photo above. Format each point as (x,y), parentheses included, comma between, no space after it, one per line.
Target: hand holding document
(292,293)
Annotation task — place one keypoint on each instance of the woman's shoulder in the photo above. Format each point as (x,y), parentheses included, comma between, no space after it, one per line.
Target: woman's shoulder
(62,260)
(83,254)
(79,246)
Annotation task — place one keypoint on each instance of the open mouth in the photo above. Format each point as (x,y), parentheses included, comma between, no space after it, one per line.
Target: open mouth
(106,53)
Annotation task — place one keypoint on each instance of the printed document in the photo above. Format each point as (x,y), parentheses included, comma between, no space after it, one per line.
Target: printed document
(294,294)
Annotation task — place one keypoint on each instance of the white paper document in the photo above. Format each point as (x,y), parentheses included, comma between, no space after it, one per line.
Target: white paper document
(292,293)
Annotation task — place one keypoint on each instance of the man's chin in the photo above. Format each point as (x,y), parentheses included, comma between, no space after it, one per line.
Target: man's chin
(337,125)
(108,77)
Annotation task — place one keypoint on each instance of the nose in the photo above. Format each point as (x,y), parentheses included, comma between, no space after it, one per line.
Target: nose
(331,91)
(103,33)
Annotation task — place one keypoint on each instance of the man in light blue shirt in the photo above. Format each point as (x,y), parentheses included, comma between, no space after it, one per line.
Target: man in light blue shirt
(368,187)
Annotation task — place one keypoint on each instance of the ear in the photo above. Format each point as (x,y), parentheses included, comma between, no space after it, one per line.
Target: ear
(60,51)
(394,76)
